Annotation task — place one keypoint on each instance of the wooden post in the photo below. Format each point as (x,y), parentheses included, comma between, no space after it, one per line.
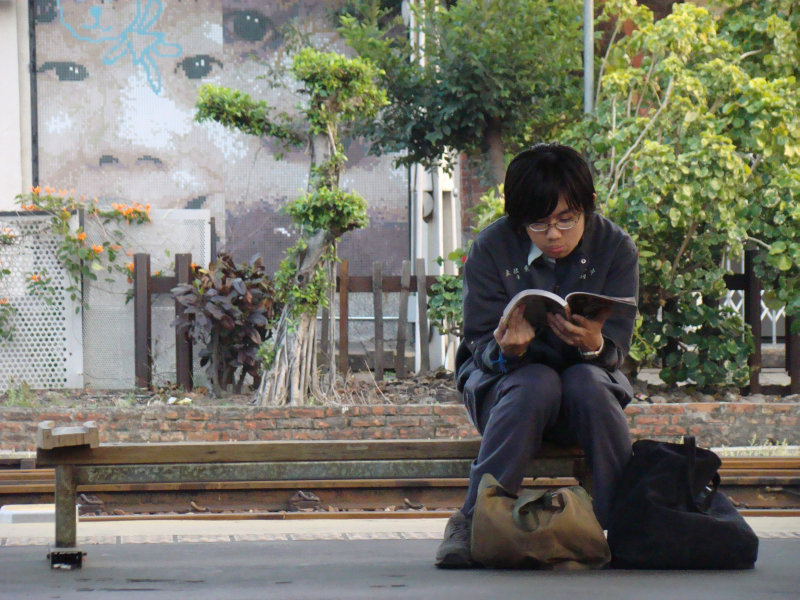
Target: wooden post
(344,339)
(402,320)
(142,322)
(792,356)
(183,342)
(377,305)
(422,317)
(752,316)
(66,519)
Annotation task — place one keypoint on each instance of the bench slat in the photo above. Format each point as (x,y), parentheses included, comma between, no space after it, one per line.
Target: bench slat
(272,451)
(297,471)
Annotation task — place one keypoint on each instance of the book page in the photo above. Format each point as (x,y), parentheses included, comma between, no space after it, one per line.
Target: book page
(591,305)
(537,304)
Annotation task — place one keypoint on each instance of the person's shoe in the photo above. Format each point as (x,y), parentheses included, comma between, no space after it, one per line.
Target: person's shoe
(454,551)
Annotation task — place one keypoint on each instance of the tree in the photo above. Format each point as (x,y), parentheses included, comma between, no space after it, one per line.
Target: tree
(682,137)
(339,92)
(765,125)
(492,75)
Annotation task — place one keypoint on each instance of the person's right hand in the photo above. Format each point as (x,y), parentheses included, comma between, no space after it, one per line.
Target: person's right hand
(514,334)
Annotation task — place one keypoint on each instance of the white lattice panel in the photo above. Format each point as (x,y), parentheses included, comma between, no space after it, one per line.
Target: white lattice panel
(108,329)
(772,321)
(46,351)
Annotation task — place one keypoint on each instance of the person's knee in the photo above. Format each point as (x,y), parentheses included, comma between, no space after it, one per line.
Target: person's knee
(530,389)
(529,380)
(585,384)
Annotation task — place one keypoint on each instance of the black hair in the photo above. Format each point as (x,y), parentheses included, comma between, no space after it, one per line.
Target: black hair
(538,177)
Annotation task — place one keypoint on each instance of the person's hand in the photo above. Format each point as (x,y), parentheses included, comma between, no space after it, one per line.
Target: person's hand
(585,334)
(514,334)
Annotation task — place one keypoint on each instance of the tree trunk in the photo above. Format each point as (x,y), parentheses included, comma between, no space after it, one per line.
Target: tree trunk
(495,151)
(292,379)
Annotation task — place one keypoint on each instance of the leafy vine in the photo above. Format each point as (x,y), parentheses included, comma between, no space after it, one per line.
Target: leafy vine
(80,260)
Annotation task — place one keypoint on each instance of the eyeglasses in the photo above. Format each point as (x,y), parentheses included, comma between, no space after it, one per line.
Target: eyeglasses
(560,224)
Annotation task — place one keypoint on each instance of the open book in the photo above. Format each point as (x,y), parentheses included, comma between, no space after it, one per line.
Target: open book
(540,302)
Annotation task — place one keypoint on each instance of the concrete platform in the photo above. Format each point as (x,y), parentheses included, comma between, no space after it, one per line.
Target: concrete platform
(770,376)
(348,559)
(28,513)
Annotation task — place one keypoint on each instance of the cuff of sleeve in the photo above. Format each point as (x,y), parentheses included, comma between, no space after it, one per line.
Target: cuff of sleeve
(504,363)
(609,357)
(594,354)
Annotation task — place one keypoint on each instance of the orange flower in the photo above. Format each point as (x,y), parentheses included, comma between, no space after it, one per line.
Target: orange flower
(194,266)
(116,246)
(130,267)
(97,248)
(36,190)
(81,236)
(3,301)
(36,277)
(157,274)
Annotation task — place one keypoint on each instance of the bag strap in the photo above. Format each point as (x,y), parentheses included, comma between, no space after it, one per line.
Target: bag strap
(690,446)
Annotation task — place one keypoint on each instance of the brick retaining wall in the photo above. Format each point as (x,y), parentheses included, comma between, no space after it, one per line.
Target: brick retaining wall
(714,424)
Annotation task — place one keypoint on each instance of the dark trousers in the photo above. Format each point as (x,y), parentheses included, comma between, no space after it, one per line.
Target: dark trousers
(583,404)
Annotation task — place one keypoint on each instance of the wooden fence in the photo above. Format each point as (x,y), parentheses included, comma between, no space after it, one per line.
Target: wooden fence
(405,284)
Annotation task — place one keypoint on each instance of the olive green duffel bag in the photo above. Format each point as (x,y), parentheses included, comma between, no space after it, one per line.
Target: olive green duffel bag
(542,528)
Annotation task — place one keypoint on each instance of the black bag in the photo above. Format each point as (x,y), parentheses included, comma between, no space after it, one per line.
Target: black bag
(668,514)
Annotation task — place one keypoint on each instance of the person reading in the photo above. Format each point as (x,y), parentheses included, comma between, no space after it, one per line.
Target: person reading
(522,384)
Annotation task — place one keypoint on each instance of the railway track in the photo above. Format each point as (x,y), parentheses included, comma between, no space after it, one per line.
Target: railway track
(755,485)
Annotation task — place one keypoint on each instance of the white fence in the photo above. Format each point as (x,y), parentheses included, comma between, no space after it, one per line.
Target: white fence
(60,347)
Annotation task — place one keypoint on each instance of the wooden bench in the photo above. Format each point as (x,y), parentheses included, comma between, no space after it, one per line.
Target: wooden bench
(80,460)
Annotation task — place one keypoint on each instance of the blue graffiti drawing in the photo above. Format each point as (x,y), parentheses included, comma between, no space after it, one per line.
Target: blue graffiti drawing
(127,25)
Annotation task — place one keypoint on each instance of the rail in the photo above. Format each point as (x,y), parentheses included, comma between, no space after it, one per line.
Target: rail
(763,485)
(79,459)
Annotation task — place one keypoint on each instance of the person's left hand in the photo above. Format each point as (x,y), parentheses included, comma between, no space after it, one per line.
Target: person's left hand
(585,334)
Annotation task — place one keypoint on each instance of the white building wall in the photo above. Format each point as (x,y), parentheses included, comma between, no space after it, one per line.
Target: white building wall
(14,158)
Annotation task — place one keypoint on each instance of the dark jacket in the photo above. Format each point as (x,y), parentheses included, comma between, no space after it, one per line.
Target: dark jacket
(605,261)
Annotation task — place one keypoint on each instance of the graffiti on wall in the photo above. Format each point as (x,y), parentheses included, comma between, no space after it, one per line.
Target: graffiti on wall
(128,28)
(117,81)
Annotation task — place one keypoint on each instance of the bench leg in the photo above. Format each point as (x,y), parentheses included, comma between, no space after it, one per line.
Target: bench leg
(581,472)
(65,554)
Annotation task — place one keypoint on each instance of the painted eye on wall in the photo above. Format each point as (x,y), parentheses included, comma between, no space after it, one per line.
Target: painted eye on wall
(247,25)
(46,11)
(108,159)
(153,160)
(198,66)
(66,71)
